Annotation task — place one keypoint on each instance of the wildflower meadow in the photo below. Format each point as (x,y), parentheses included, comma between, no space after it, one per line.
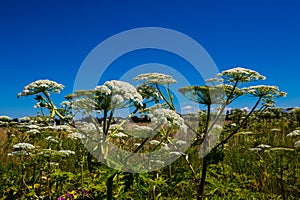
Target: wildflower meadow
(82,149)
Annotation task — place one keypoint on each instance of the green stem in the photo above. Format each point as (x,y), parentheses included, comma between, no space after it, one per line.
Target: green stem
(164,98)
(200,189)
(109,185)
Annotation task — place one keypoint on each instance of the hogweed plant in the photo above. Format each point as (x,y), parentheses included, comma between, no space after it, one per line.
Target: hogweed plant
(42,89)
(232,79)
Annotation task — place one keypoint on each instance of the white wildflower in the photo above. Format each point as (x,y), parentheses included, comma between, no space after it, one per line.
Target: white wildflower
(154,142)
(5,118)
(120,135)
(275,129)
(63,128)
(245,133)
(48,127)
(293,133)
(122,93)
(76,136)
(67,152)
(175,153)
(240,74)
(180,142)
(233,124)
(255,149)
(18,153)
(297,144)
(51,139)
(169,118)
(50,152)
(155,78)
(265,91)
(103,89)
(264,146)
(33,131)
(41,86)
(31,126)
(23,146)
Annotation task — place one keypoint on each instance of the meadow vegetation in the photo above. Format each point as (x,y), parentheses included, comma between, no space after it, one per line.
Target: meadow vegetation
(72,151)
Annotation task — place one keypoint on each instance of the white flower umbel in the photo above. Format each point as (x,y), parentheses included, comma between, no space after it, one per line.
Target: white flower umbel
(155,78)
(76,136)
(67,152)
(155,142)
(5,118)
(264,146)
(293,133)
(19,153)
(103,89)
(23,146)
(264,91)
(119,135)
(33,131)
(41,86)
(121,93)
(297,144)
(240,74)
(255,149)
(169,118)
(51,139)
(180,142)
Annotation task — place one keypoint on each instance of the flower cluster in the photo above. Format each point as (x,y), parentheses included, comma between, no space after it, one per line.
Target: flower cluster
(23,146)
(155,78)
(76,136)
(51,139)
(168,117)
(264,91)
(121,93)
(67,152)
(5,118)
(293,133)
(264,146)
(33,131)
(240,74)
(41,86)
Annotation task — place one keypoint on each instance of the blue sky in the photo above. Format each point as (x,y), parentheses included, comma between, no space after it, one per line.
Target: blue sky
(51,39)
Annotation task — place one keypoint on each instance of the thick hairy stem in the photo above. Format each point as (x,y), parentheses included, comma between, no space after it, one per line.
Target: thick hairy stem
(200,189)
(53,107)
(109,185)
(104,121)
(109,120)
(207,120)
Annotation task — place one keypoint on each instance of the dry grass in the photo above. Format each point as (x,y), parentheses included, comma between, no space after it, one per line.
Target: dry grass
(3,135)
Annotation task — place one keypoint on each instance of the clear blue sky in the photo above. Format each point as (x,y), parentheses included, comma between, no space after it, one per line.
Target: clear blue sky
(50,39)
